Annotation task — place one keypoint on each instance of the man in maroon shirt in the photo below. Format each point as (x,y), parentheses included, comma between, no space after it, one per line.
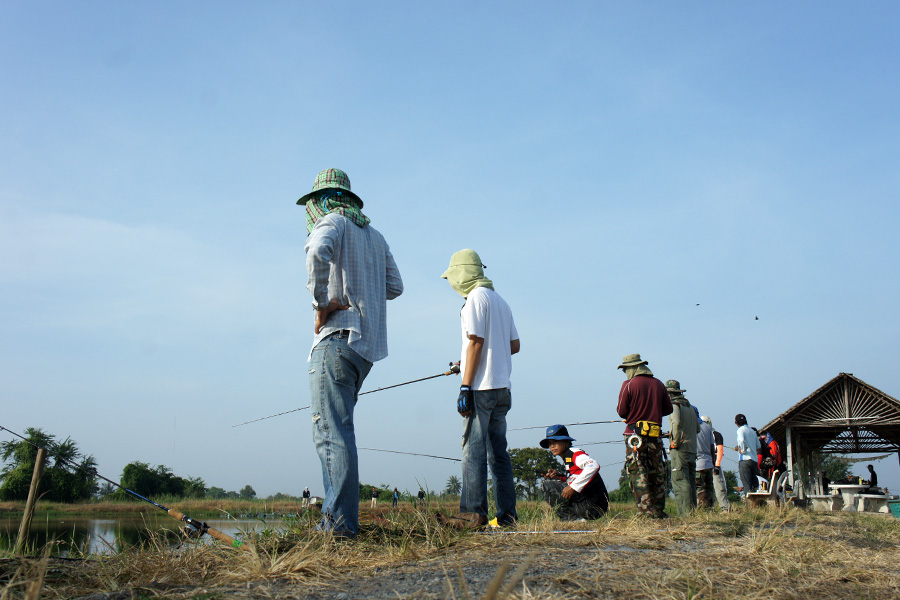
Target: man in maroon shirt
(643,402)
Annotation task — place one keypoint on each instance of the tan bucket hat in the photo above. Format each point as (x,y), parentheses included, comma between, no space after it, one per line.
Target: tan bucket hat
(632,360)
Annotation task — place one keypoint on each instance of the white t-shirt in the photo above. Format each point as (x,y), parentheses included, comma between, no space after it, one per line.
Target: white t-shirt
(487,315)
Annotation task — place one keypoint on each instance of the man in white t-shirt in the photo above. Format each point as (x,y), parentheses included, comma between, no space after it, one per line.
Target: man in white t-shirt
(489,340)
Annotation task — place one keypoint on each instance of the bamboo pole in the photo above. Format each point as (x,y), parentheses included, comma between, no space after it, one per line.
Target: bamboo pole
(32,500)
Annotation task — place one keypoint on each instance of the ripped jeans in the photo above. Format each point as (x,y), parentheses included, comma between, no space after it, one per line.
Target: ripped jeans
(336,373)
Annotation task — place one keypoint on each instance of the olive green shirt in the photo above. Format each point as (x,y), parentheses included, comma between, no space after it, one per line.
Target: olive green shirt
(683,424)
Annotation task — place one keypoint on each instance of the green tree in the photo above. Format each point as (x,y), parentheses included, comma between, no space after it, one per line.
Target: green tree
(68,475)
(247,492)
(528,466)
(159,481)
(216,493)
(835,466)
(152,481)
(731,482)
(194,487)
(453,487)
(623,492)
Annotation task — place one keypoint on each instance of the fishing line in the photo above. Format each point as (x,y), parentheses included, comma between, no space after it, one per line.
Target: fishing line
(454,370)
(596,443)
(566,424)
(410,453)
(193,527)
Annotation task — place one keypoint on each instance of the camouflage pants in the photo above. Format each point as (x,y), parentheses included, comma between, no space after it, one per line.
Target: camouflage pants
(684,476)
(705,490)
(579,507)
(647,476)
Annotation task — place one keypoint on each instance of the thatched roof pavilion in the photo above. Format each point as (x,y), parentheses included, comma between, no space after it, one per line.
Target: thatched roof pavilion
(844,416)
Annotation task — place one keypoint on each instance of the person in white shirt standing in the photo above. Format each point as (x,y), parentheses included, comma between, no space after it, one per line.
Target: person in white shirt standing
(489,339)
(748,446)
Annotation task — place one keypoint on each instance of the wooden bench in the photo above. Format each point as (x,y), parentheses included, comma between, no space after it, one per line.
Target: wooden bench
(768,497)
(827,502)
(873,502)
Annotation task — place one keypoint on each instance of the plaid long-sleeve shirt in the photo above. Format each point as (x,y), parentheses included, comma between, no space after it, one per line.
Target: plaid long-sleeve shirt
(354,266)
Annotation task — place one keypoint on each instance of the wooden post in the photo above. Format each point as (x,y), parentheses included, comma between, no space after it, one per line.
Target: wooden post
(790,456)
(32,500)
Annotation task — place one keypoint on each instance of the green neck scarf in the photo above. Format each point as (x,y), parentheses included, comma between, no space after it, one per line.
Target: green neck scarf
(630,372)
(466,278)
(333,202)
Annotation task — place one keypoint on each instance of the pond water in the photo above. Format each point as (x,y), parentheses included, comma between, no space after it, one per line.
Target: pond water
(79,534)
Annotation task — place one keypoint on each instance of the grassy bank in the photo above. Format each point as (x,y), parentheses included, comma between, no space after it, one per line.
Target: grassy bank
(745,554)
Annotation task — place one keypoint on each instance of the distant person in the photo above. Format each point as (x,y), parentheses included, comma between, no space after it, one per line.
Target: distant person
(748,446)
(826,483)
(705,451)
(719,483)
(421,497)
(306,497)
(351,276)
(774,452)
(873,476)
(489,339)
(643,402)
(579,494)
(683,449)
(395,496)
(374,501)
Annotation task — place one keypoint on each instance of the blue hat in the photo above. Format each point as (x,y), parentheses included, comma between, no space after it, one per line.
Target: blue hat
(556,432)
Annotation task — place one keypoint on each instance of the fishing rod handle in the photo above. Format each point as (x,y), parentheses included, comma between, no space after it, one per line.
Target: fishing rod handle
(222,537)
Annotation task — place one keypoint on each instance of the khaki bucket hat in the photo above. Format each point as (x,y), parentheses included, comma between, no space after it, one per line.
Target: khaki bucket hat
(464,258)
(331,179)
(632,360)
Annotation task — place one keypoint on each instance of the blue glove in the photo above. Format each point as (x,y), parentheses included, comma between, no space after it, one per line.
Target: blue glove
(466,401)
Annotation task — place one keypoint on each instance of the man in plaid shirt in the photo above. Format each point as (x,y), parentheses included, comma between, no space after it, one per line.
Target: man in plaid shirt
(351,276)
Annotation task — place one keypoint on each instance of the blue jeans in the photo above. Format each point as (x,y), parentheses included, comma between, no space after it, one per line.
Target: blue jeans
(336,374)
(484,441)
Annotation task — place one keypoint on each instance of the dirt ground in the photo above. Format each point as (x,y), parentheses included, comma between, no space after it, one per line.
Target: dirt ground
(754,554)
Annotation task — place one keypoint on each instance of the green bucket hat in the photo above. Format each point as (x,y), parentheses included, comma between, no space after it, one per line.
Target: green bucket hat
(673,387)
(631,360)
(331,179)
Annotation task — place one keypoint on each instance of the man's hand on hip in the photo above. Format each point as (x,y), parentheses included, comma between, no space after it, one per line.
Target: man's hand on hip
(323,313)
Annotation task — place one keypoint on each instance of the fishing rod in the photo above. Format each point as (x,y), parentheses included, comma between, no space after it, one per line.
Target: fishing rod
(567,424)
(454,370)
(193,528)
(410,453)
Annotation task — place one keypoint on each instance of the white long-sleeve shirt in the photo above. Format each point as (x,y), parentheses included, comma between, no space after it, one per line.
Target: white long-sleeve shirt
(580,469)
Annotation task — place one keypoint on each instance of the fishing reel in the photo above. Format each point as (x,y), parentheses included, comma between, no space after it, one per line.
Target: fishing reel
(193,529)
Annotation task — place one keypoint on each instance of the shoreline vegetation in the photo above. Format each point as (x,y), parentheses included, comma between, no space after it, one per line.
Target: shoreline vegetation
(406,552)
(190,506)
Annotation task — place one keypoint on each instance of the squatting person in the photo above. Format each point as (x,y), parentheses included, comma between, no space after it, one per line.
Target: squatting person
(580,494)
(351,275)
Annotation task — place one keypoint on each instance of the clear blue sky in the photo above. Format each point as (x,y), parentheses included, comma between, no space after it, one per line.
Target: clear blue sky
(615,164)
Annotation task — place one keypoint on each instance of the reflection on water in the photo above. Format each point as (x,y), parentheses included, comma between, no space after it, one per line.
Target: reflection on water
(73,535)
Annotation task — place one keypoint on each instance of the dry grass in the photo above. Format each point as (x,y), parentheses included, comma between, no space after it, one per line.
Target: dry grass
(761,553)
